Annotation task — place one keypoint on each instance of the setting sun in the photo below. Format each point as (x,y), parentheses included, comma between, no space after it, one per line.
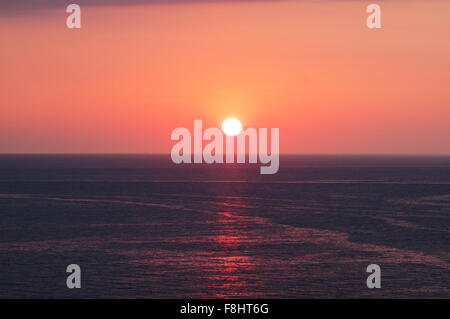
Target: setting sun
(231,127)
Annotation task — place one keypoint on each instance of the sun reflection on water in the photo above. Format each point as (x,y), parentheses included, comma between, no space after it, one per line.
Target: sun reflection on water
(231,273)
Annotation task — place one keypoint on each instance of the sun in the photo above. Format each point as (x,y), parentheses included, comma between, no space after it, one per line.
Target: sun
(231,126)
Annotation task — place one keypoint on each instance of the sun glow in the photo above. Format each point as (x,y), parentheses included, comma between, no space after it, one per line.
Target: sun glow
(231,127)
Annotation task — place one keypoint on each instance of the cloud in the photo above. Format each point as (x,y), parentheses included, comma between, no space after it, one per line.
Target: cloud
(23,6)
(12,7)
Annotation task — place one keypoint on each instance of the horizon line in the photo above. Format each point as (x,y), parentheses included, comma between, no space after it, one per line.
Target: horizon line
(291,154)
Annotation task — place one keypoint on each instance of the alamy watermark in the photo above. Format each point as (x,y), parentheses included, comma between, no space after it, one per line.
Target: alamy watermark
(74,19)
(216,152)
(374,279)
(74,279)
(373,21)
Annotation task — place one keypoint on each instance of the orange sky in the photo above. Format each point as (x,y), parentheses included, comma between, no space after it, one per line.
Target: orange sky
(132,74)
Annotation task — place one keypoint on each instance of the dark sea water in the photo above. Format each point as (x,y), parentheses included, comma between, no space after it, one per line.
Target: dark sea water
(140,226)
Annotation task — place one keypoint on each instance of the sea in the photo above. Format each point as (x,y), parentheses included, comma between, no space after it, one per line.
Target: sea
(140,226)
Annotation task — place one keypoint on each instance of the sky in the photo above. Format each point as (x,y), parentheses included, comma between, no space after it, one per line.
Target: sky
(137,70)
